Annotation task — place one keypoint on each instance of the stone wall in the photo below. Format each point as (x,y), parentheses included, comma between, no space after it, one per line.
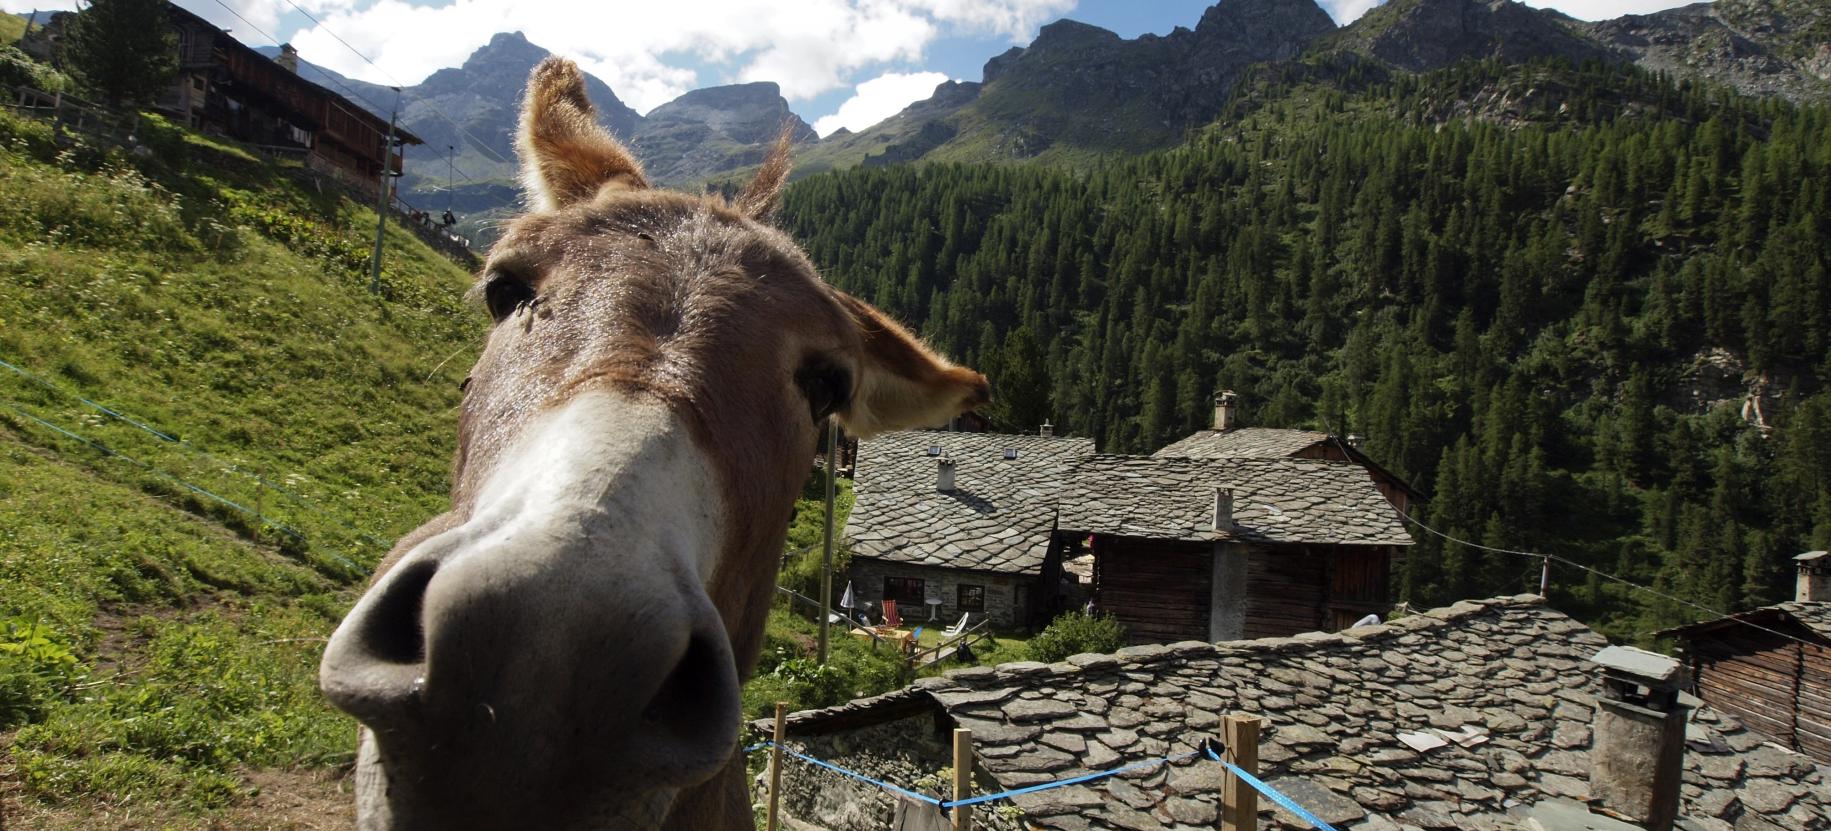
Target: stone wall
(913,753)
(1000,593)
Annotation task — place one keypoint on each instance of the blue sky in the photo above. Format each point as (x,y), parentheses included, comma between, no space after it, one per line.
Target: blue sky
(839,62)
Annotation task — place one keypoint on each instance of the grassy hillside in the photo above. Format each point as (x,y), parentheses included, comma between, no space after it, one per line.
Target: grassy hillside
(212,432)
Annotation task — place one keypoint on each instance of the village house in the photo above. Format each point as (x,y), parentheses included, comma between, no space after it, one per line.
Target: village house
(1771,667)
(950,523)
(226,87)
(1227,438)
(1496,714)
(1226,548)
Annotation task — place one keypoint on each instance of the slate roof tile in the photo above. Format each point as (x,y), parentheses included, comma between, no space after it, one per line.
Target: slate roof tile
(1520,685)
(1243,443)
(998,518)
(1274,500)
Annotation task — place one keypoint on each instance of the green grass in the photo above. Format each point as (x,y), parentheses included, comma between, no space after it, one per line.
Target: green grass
(12,28)
(161,644)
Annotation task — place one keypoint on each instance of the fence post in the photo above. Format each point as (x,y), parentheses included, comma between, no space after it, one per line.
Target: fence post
(775,766)
(1239,802)
(963,778)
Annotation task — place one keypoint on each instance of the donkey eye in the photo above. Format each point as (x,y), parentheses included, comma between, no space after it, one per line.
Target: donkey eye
(505,292)
(826,387)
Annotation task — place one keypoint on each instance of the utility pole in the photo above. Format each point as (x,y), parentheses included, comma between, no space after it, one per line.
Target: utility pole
(451,173)
(826,555)
(381,201)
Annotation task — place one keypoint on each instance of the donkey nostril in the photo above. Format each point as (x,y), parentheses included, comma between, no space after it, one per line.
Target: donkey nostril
(392,632)
(696,691)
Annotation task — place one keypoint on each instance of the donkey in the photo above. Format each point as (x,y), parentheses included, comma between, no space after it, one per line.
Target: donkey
(563,648)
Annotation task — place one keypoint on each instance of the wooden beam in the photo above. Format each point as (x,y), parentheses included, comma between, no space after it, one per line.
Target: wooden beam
(775,768)
(1239,802)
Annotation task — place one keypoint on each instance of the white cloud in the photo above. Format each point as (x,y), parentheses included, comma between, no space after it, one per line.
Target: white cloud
(1348,11)
(1606,9)
(642,50)
(878,99)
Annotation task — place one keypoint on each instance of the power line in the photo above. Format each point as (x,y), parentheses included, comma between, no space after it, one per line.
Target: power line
(107,451)
(397,82)
(171,438)
(1565,561)
(373,107)
(257,30)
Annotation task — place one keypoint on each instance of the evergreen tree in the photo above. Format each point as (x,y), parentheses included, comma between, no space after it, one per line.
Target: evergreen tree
(123,50)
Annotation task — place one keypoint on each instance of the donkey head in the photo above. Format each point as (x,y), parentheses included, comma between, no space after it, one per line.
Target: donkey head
(563,648)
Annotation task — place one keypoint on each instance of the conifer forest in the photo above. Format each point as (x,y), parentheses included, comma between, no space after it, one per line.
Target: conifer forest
(1586,311)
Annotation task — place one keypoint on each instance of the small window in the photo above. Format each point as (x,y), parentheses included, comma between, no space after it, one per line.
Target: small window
(972,598)
(1010,453)
(908,592)
(934,450)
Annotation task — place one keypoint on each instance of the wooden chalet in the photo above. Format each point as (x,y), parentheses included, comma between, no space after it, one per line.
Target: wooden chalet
(1223,549)
(1771,667)
(1227,439)
(949,523)
(226,87)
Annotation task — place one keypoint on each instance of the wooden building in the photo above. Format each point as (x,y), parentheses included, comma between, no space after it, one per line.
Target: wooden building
(1224,549)
(948,523)
(228,88)
(1228,439)
(1771,667)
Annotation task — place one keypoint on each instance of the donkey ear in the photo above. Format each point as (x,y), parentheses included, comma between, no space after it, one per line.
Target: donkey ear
(565,156)
(903,384)
(759,199)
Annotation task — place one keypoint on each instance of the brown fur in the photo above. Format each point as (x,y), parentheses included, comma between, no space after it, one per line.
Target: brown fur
(690,301)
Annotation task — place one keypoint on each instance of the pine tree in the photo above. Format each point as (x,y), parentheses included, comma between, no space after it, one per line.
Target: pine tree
(123,50)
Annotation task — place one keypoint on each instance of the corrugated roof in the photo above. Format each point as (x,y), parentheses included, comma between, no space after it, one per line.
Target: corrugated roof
(1274,500)
(1244,443)
(1505,685)
(998,517)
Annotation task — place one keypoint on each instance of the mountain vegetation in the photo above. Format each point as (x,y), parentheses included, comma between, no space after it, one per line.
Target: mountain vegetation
(1586,309)
(210,431)
(122,50)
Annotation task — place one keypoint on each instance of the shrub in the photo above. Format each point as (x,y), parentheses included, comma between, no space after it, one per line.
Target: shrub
(34,670)
(1074,633)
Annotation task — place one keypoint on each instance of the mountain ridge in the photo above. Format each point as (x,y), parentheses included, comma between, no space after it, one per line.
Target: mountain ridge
(1078,91)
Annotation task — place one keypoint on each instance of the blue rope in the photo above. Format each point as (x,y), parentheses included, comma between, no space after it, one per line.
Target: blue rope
(1061,783)
(295,498)
(863,778)
(108,451)
(1272,793)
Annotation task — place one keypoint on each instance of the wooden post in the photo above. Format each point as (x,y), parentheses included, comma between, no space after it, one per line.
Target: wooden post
(963,779)
(1239,802)
(775,767)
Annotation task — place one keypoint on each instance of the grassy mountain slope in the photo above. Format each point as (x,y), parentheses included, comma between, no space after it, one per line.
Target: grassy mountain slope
(159,641)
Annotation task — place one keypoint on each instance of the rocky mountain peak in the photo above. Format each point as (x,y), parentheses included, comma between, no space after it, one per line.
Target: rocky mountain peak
(1260,19)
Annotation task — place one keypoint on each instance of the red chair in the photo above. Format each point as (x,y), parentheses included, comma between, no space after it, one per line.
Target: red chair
(891,618)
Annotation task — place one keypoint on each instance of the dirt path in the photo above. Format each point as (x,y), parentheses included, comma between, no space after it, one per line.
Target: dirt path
(287,800)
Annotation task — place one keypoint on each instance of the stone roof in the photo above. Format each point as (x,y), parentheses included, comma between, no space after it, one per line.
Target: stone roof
(998,517)
(1274,500)
(1244,443)
(1504,687)
(1813,615)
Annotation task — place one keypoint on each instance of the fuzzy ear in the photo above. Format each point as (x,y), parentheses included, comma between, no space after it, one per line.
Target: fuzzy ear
(565,156)
(759,199)
(903,383)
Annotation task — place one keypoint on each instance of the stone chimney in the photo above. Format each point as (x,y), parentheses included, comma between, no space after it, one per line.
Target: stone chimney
(944,474)
(289,58)
(1814,581)
(1047,431)
(1223,509)
(1639,752)
(1224,417)
(1355,440)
